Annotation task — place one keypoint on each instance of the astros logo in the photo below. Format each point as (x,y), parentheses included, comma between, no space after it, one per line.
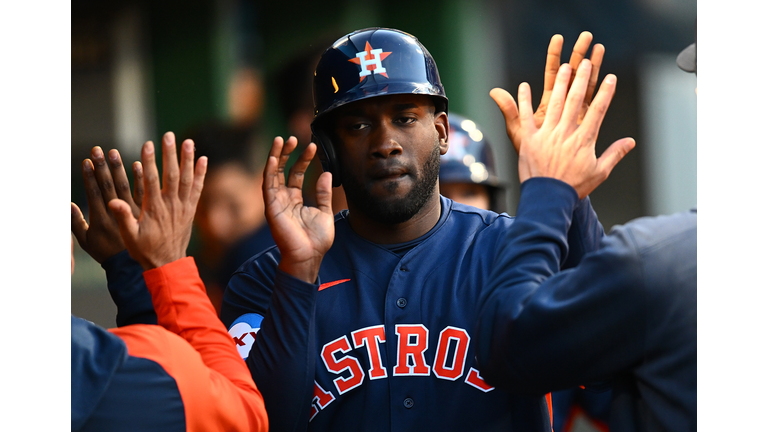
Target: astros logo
(370,61)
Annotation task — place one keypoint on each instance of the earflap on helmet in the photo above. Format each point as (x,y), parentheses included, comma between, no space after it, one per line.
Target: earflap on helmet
(326,152)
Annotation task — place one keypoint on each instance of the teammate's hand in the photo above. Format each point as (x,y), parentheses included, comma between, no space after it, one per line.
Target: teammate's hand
(163,229)
(554,52)
(303,234)
(104,180)
(562,148)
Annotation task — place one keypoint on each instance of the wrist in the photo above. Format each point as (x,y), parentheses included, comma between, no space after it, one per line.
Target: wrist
(306,271)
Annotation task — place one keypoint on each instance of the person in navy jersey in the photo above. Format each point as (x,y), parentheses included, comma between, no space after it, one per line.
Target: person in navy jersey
(625,314)
(364,320)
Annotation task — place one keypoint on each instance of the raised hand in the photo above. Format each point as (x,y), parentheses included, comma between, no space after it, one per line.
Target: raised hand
(104,180)
(162,231)
(303,234)
(562,148)
(551,68)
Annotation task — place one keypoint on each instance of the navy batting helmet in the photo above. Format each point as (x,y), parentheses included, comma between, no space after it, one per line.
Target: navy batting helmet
(368,63)
(469,158)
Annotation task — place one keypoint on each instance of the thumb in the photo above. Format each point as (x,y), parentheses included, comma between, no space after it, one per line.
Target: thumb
(325,193)
(614,153)
(506,104)
(79,225)
(129,226)
(508,107)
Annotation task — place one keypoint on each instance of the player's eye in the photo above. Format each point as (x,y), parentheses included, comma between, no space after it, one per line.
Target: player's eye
(405,120)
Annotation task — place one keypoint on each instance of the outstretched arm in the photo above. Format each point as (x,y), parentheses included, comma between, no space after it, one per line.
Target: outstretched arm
(282,357)
(158,240)
(557,161)
(586,232)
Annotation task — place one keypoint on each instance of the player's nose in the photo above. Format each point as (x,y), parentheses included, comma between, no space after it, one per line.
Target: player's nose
(385,143)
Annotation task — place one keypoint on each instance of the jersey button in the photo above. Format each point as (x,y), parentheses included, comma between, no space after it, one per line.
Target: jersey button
(408,403)
(401,302)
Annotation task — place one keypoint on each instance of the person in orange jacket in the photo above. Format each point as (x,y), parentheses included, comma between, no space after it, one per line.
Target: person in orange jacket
(184,373)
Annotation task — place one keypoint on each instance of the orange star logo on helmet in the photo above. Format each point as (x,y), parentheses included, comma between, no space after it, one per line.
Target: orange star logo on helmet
(370,61)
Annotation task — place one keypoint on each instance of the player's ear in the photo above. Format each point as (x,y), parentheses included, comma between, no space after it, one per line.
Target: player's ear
(441,125)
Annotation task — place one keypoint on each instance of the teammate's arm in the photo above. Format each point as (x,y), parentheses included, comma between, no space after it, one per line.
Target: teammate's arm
(105,179)
(158,240)
(560,154)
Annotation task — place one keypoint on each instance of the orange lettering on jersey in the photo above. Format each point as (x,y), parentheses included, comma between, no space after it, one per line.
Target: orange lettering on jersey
(320,400)
(344,364)
(475,380)
(411,346)
(371,337)
(454,369)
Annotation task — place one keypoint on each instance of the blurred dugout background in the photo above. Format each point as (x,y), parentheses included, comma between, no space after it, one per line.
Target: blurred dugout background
(141,68)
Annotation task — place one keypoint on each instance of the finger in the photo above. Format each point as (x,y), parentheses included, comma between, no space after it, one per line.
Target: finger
(296,174)
(288,148)
(557,100)
(201,168)
(614,154)
(138,184)
(187,178)
(527,121)
(120,179)
(170,166)
(597,109)
(508,108)
(129,226)
(553,63)
(151,176)
(580,49)
(103,175)
(79,225)
(96,203)
(598,51)
(271,179)
(324,195)
(271,184)
(575,96)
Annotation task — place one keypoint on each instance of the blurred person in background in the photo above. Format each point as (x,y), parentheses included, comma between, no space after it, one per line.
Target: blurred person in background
(229,222)
(467,169)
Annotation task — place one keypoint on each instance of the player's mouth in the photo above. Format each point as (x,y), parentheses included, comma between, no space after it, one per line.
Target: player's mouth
(389,173)
(388,180)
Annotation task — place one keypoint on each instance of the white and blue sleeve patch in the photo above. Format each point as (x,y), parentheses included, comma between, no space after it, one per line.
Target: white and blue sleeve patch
(243,331)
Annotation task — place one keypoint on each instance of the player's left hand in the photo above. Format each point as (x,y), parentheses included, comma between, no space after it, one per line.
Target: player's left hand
(562,148)
(163,229)
(507,104)
(105,180)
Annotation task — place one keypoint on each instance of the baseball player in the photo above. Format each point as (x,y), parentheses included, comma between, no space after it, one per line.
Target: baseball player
(643,280)
(468,169)
(363,321)
(184,373)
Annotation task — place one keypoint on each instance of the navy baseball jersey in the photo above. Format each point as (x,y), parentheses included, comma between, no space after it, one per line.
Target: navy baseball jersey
(626,313)
(383,341)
